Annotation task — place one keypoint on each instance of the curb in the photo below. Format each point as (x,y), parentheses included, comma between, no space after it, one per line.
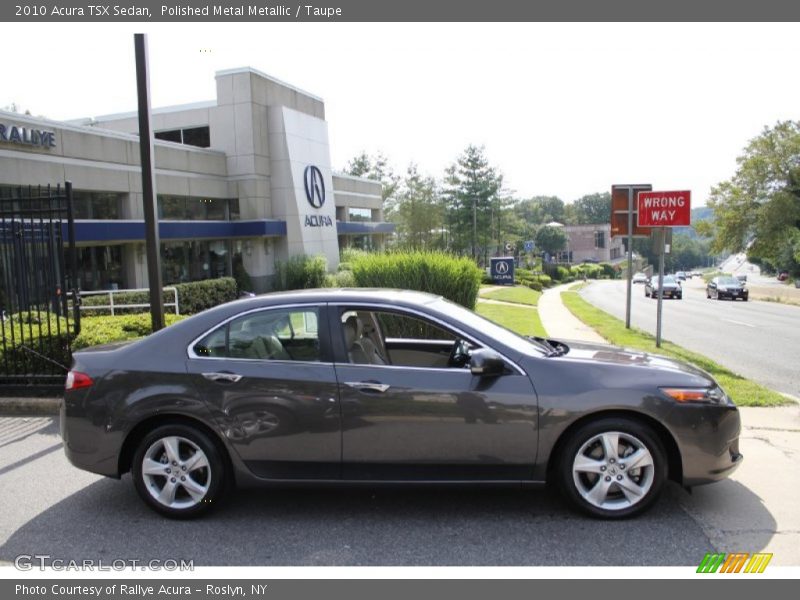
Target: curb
(30,406)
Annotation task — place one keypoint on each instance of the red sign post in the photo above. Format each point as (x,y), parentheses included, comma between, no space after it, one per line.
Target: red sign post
(660,210)
(664,209)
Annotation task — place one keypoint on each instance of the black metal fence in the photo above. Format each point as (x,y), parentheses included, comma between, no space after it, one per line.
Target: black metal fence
(36,230)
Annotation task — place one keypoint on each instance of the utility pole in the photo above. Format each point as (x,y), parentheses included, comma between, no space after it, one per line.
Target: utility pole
(149,193)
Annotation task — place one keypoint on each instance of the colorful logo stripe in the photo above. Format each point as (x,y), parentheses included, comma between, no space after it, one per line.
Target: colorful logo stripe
(736,562)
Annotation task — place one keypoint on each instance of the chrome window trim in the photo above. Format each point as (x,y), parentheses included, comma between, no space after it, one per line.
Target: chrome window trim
(429,317)
(190,348)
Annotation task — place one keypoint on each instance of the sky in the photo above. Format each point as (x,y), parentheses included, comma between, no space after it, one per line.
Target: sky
(562,109)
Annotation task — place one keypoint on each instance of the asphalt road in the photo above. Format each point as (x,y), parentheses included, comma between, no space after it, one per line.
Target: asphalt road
(51,508)
(760,340)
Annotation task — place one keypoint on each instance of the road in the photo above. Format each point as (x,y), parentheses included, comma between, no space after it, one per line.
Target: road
(759,340)
(51,508)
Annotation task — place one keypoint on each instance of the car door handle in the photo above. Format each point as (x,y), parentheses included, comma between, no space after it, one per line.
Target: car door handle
(367,386)
(222,377)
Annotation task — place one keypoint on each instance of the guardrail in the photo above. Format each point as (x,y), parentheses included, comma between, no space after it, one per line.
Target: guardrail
(112,306)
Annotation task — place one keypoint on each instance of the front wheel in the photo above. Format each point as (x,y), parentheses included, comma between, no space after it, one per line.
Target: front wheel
(178,471)
(612,468)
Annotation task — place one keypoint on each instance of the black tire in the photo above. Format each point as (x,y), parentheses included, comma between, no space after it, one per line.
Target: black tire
(214,479)
(649,479)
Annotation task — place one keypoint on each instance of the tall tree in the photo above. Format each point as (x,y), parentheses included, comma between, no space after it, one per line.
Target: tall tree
(418,214)
(590,210)
(550,239)
(472,190)
(758,209)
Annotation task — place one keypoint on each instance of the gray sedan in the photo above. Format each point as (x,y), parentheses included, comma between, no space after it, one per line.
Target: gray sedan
(388,386)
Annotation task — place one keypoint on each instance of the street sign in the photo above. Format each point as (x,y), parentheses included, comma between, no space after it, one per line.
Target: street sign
(529,246)
(502,270)
(620,195)
(664,209)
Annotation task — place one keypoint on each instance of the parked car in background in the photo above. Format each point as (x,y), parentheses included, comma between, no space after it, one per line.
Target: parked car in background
(377,386)
(680,276)
(726,286)
(639,278)
(672,288)
(741,277)
(783,275)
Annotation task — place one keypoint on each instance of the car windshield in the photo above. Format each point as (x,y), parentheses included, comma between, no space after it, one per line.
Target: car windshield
(491,329)
(728,281)
(668,279)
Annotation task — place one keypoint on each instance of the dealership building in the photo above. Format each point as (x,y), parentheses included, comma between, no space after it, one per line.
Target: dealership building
(243,181)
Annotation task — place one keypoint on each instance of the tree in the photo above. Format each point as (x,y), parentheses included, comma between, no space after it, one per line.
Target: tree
(473,199)
(590,209)
(550,239)
(758,209)
(418,214)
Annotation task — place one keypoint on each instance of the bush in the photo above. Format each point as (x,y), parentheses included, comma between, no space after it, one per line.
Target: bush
(105,330)
(193,297)
(536,285)
(545,280)
(457,279)
(608,270)
(300,273)
(29,351)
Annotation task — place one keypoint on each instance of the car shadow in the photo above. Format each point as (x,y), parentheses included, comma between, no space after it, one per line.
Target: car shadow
(360,526)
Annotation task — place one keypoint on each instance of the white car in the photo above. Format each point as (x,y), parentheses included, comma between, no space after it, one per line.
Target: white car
(639,278)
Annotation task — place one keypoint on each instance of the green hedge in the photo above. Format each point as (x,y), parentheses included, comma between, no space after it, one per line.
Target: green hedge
(456,278)
(22,329)
(193,297)
(105,330)
(300,273)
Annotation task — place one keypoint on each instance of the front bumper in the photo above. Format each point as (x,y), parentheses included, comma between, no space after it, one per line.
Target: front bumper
(708,437)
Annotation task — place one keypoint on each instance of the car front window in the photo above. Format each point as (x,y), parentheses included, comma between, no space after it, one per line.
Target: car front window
(491,329)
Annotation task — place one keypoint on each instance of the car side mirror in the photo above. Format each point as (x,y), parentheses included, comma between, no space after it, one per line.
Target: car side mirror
(486,363)
(712,285)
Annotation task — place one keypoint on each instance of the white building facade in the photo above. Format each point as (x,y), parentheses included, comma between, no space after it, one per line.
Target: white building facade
(243,181)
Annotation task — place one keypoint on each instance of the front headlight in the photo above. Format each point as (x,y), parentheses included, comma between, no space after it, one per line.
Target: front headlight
(713,395)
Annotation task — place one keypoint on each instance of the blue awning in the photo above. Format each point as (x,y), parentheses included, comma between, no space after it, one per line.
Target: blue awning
(116,231)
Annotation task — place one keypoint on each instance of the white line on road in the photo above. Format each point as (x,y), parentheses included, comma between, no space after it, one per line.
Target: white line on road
(738,322)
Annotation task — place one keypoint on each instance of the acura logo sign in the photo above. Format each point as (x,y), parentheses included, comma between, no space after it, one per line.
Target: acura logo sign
(501,268)
(315,186)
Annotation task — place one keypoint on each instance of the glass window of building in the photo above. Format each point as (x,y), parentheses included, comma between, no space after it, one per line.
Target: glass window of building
(99,267)
(195,260)
(96,205)
(183,208)
(362,215)
(191,136)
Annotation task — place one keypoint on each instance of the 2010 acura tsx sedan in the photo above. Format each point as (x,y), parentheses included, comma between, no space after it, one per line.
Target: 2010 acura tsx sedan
(388,386)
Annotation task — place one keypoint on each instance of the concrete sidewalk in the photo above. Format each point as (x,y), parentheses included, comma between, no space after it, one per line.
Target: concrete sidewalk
(559,322)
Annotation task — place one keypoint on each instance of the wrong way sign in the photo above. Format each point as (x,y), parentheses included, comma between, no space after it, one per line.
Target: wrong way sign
(664,209)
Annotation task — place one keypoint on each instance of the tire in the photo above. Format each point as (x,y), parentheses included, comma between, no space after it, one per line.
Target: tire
(584,457)
(202,477)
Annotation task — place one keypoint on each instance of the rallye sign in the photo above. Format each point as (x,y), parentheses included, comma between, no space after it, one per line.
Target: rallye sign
(664,209)
(15,134)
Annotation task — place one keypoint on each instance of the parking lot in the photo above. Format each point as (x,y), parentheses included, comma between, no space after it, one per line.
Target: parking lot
(54,509)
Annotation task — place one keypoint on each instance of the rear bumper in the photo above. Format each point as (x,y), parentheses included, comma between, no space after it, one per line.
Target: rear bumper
(88,444)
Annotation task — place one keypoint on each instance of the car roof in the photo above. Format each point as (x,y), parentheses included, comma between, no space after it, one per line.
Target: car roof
(382,295)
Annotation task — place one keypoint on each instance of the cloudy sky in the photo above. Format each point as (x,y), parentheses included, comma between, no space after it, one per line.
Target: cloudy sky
(562,109)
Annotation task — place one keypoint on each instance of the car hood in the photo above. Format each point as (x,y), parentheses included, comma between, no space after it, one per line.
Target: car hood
(616,355)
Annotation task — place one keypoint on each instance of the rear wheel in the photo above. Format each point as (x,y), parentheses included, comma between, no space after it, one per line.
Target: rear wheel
(612,468)
(179,472)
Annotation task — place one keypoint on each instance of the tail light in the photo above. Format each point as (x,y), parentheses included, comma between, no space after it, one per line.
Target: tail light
(77,380)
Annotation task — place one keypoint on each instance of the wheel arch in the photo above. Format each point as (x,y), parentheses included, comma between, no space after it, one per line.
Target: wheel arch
(141,429)
(674,460)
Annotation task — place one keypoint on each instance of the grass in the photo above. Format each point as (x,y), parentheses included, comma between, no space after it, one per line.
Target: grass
(522,319)
(743,391)
(516,294)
